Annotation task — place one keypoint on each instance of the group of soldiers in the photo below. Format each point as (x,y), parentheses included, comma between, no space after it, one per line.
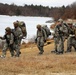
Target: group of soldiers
(13,39)
(62,31)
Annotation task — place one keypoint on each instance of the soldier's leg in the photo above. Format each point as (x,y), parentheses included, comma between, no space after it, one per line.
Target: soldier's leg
(55,49)
(17,50)
(61,47)
(11,50)
(69,44)
(74,43)
(40,44)
(5,47)
(74,47)
(19,42)
(55,45)
(39,49)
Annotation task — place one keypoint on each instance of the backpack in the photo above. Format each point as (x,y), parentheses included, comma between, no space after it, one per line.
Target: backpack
(47,30)
(22,25)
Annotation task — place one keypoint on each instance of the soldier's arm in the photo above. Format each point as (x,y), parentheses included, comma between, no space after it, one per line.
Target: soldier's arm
(20,33)
(2,37)
(12,39)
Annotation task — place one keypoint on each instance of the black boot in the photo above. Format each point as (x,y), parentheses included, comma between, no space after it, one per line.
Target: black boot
(67,51)
(19,52)
(59,53)
(41,52)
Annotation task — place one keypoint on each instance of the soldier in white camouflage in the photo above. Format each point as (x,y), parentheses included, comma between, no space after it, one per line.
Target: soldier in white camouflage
(9,37)
(41,38)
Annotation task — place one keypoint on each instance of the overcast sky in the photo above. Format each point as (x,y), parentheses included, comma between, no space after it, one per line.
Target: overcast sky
(49,3)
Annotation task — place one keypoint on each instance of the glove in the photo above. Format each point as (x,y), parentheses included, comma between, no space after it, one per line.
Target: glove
(44,40)
(0,37)
(36,40)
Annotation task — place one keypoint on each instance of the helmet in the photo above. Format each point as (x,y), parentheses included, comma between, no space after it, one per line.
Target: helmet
(38,26)
(15,23)
(8,29)
(60,20)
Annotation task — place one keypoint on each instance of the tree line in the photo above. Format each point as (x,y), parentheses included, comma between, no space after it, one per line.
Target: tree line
(39,10)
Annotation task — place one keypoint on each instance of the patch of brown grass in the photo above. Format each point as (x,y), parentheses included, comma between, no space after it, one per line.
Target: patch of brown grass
(30,63)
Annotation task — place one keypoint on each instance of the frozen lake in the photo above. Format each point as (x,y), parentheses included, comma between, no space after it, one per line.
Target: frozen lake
(31,23)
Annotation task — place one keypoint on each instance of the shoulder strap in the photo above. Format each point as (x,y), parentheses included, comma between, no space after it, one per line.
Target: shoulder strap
(58,27)
(43,33)
(65,25)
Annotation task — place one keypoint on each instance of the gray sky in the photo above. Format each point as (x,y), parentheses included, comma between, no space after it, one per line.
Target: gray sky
(40,2)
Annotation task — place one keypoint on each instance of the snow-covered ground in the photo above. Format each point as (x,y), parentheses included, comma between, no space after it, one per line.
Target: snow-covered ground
(31,23)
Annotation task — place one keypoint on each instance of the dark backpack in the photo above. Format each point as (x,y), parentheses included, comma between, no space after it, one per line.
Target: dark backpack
(47,30)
